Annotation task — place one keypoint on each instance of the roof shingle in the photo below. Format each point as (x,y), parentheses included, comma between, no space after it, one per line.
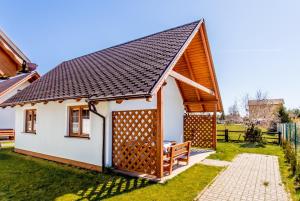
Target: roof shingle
(6,84)
(127,70)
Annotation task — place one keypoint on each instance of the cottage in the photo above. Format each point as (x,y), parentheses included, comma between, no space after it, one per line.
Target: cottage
(12,59)
(119,106)
(9,88)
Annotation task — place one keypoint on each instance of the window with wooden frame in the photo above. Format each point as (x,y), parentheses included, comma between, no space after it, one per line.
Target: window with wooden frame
(79,121)
(30,121)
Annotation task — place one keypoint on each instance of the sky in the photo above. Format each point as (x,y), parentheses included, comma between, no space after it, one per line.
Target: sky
(254,43)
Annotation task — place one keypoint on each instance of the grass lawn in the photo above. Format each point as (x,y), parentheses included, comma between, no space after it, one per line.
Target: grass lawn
(227,151)
(27,178)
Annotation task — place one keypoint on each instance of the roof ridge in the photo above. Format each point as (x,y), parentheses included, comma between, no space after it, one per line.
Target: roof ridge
(169,29)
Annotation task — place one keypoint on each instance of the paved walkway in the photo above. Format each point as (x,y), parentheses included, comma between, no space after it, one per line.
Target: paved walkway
(250,177)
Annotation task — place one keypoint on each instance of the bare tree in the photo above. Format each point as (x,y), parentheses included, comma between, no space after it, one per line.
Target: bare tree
(233,114)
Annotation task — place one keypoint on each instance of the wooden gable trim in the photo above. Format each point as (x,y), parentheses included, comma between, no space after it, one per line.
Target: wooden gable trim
(191,82)
(27,78)
(10,46)
(203,35)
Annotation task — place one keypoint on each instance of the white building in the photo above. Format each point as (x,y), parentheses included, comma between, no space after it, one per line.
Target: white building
(9,88)
(115,107)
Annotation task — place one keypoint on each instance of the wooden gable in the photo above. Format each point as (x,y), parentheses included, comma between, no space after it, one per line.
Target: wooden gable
(196,64)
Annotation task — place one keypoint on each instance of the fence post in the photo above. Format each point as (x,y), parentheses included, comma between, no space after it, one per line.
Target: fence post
(226,135)
(279,138)
(295,133)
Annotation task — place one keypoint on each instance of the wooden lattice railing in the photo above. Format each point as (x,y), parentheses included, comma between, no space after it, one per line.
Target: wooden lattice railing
(135,141)
(200,129)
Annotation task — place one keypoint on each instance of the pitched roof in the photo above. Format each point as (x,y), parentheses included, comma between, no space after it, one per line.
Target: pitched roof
(128,70)
(7,85)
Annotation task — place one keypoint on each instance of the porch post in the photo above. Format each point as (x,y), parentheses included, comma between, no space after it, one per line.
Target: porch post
(214,127)
(160,132)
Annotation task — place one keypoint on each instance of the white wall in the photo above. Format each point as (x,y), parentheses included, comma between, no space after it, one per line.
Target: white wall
(7,115)
(174,111)
(52,127)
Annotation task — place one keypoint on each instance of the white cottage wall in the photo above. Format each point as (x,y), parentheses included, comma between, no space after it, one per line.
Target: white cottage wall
(52,127)
(7,115)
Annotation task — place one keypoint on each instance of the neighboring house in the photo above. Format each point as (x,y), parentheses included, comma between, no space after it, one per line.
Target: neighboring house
(115,107)
(264,110)
(9,88)
(12,59)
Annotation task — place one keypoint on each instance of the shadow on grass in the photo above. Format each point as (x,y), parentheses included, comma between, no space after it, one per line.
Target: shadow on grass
(108,187)
(28,178)
(252,145)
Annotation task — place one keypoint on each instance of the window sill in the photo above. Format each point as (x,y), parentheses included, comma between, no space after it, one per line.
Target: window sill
(28,133)
(81,137)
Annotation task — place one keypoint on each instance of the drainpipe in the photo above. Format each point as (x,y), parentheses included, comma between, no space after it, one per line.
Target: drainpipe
(93,109)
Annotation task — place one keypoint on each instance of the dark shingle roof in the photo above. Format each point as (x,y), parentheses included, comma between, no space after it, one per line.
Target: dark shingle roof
(6,84)
(127,70)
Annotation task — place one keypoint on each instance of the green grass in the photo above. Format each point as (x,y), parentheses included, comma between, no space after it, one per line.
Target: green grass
(227,151)
(27,178)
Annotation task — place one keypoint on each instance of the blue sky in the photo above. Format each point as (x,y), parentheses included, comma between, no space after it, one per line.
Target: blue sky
(254,43)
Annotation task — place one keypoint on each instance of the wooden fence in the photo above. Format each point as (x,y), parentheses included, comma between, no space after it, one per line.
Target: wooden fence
(200,129)
(134,137)
(227,135)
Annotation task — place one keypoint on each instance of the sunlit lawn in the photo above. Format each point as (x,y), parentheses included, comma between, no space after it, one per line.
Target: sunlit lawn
(27,178)
(227,151)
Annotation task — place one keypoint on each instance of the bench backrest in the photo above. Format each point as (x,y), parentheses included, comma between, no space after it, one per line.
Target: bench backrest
(180,149)
(7,132)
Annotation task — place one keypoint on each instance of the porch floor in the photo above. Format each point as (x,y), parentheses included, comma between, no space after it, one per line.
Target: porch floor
(197,155)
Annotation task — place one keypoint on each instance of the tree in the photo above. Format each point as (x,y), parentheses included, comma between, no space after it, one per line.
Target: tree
(234,114)
(283,115)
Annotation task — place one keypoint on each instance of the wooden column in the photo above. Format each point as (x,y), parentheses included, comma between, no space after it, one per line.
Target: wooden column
(214,128)
(160,132)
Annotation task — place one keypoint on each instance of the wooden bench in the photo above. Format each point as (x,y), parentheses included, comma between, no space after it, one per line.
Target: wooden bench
(177,153)
(7,133)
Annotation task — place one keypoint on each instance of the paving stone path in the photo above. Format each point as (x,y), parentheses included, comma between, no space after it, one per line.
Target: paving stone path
(250,177)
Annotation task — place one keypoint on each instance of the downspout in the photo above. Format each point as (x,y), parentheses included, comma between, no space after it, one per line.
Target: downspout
(93,109)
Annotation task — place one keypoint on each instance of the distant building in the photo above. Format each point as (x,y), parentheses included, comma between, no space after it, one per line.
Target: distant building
(264,110)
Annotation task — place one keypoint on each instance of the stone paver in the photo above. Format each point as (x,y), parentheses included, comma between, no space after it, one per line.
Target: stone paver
(249,177)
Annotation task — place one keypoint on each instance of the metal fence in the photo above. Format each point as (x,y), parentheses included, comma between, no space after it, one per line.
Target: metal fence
(290,132)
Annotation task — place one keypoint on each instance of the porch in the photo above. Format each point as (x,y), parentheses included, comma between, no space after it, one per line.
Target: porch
(138,136)
(196,156)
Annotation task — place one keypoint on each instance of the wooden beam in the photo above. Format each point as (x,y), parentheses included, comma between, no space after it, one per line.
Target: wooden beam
(149,99)
(214,128)
(78,99)
(45,102)
(119,101)
(187,61)
(60,101)
(160,132)
(191,82)
(200,102)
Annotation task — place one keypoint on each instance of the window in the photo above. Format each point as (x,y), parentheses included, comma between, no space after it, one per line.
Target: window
(79,121)
(30,122)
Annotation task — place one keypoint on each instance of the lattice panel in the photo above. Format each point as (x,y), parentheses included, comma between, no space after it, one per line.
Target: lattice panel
(200,129)
(134,141)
